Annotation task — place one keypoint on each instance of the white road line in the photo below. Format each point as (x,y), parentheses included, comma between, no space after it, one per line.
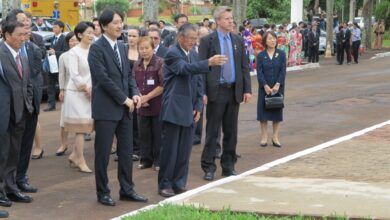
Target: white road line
(258,169)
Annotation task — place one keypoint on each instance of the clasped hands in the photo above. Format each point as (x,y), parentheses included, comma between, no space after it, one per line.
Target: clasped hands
(135,102)
(268,90)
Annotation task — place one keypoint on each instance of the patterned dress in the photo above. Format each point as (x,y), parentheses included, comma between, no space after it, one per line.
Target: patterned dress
(296,54)
(283,40)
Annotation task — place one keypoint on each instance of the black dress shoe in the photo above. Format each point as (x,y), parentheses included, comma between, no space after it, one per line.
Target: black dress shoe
(208,176)
(276,144)
(196,141)
(36,157)
(132,197)
(144,166)
(179,190)
(48,109)
(166,192)
(26,187)
(87,137)
(135,157)
(4,201)
(3,214)
(106,200)
(229,173)
(19,197)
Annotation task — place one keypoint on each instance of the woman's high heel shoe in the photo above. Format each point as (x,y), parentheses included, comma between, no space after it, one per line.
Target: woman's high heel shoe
(276,144)
(60,153)
(36,157)
(84,168)
(72,164)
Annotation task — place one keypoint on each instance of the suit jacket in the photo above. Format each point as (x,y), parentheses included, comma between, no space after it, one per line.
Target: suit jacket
(35,65)
(197,85)
(162,51)
(164,33)
(38,40)
(208,47)
(313,40)
(345,36)
(21,88)
(5,104)
(111,83)
(177,101)
(60,46)
(170,39)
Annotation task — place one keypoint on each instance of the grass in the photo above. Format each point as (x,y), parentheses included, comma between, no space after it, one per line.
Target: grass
(386,43)
(174,212)
(192,19)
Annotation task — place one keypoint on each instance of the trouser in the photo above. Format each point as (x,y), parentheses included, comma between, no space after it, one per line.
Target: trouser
(355,50)
(149,128)
(51,89)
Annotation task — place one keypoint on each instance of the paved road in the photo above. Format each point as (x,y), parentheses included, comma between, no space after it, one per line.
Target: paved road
(322,104)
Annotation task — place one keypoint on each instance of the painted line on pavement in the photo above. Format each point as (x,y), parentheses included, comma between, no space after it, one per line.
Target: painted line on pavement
(264,167)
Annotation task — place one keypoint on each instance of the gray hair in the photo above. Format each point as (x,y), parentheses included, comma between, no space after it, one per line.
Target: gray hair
(183,30)
(220,10)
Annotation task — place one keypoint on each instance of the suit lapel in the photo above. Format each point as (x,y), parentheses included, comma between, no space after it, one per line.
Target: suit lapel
(10,58)
(215,41)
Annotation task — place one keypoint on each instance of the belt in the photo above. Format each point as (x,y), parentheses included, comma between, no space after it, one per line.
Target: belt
(227,85)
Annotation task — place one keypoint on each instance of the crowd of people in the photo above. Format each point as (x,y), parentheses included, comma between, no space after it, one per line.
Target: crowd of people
(144,96)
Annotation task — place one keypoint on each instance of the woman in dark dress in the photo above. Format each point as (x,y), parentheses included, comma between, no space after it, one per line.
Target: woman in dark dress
(271,73)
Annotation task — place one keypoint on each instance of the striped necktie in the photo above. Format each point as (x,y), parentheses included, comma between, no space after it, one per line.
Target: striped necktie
(19,65)
(117,59)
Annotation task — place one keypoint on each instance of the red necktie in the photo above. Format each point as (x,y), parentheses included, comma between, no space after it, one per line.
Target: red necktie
(19,65)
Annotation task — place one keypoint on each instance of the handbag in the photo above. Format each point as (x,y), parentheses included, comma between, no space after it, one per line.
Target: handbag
(275,101)
(53,64)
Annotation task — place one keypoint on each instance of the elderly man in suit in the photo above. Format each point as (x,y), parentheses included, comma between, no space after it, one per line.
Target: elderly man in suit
(159,49)
(16,71)
(113,96)
(57,47)
(34,55)
(179,110)
(225,89)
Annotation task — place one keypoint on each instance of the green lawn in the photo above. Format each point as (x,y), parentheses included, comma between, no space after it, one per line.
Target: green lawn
(192,19)
(386,43)
(174,212)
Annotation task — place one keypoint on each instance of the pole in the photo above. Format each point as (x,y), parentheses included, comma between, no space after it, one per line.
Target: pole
(296,11)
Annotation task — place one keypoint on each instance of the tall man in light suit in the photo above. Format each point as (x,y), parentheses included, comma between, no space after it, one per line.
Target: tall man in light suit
(179,109)
(113,96)
(16,70)
(225,89)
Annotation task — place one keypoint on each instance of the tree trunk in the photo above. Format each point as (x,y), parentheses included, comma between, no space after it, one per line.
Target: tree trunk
(367,14)
(352,5)
(316,5)
(239,11)
(150,10)
(226,2)
(329,28)
(8,5)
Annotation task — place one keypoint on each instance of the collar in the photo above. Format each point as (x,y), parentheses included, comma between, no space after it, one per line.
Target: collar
(156,48)
(13,52)
(185,52)
(151,63)
(222,35)
(112,43)
(58,36)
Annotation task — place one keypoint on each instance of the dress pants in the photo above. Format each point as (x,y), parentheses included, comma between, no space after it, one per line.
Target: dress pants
(136,141)
(4,151)
(355,50)
(26,147)
(347,49)
(176,145)
(16,132)
(149,128)
(51,89)
(313,54)
(340,53)
(105,131)
(224,109)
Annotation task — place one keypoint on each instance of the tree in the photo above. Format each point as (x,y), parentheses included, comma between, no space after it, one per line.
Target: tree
(151,10)
(329,28)
(382,12)
(120,5)
(352,5)
(367,14)
(239,10)
(8,5)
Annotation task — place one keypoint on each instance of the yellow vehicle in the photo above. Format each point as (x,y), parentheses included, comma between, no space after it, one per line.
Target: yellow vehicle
(64,10)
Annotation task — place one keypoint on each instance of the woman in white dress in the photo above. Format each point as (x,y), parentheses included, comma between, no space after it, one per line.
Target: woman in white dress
(78,118)
(63,79)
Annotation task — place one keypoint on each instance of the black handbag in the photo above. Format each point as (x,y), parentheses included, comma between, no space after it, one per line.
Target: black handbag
(275,101)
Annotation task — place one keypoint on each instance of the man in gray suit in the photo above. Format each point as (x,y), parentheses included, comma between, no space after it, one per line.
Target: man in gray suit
(16,70)
(225,89)
(179,109)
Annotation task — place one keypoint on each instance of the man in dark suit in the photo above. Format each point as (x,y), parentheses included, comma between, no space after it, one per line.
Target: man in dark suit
(113,96)
(159,49)
(347,42)
(179,110)
(5,113)
(170,39)
(225,89)
(16,69)
(313,44)
(164,32)
(57,47)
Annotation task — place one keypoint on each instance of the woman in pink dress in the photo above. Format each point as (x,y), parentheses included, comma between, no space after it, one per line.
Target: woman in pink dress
(295,56)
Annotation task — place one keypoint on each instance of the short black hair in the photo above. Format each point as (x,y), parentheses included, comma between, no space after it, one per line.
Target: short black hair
(107,16)
(177,17)
(153,30)
(10,26)
(162,21)
(206,19)
(95,19)
(81,27)
(68,37)
(11,16)
(154,23)
(59,24)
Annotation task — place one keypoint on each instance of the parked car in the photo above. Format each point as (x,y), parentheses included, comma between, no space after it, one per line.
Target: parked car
(360,21)
(48,23)
(322,46)
(258,22)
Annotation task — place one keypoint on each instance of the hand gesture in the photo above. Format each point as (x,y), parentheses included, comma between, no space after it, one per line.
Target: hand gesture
(130,104)
(137,100)
(217,60)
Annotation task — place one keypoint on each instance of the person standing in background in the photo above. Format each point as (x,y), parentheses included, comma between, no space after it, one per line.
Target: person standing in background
(356,37)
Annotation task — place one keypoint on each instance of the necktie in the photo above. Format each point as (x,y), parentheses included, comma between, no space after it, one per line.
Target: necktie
(19,65)
(55,40)
(117,59)
(226,68)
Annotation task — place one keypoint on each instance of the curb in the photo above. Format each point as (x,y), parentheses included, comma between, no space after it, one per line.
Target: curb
(380,55)
(295,68)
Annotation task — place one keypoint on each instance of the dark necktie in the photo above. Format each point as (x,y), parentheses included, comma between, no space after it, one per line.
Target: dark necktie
(117,55)
(226,68)
(19,65)
(55,40)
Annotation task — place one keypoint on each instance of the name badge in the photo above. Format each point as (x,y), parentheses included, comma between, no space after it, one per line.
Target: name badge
(150,82)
